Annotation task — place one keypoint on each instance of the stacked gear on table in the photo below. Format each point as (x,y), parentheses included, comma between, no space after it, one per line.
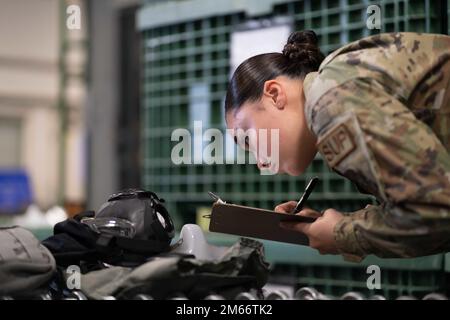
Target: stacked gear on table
(123,251)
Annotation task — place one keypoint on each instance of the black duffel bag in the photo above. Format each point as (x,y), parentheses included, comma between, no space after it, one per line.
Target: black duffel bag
(130,227)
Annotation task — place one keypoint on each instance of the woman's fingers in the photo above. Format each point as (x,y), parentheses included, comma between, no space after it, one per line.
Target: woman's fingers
(286,207)
(307,212)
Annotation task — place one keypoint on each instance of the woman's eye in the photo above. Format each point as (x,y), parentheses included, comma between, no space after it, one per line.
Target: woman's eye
(246,142)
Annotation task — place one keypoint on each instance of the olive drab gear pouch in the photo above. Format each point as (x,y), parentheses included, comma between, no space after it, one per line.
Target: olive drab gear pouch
(25,264)
(241,267)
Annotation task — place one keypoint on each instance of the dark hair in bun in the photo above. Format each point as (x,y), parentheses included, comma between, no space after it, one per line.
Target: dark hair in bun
(301,55)
(302,48)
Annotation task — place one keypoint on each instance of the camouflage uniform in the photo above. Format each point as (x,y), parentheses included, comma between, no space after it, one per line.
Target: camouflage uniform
(380,108)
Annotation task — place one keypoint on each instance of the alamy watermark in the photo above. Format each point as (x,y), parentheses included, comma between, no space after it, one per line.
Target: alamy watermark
(73,21)
(374,280)
(191,149)
(374,19)
(73,277)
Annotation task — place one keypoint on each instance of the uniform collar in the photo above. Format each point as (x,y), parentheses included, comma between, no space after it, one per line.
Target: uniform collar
(309,78)
(307,83)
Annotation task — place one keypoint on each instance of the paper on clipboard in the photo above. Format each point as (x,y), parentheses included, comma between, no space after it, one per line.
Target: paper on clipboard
(255,223)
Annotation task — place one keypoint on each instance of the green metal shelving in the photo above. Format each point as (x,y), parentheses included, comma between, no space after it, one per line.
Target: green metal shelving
(181,48)
(302,266)
(180,53)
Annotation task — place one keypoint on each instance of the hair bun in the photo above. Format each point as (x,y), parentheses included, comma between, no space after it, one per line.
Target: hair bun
(302,46)
(303,37)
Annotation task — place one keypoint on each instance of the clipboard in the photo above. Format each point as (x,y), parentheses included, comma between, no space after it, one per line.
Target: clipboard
(255,223)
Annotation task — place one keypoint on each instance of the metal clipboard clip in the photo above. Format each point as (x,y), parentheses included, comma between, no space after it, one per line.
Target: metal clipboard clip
(217,199)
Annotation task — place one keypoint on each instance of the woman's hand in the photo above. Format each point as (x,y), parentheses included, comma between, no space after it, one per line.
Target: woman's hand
(286,207)
(320,232)
(289,206)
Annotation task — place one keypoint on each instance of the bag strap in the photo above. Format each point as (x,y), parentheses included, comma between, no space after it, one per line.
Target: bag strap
(107,243)
(142,246)
(84,214)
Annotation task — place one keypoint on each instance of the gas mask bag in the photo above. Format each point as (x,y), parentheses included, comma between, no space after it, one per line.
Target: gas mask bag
(134,221)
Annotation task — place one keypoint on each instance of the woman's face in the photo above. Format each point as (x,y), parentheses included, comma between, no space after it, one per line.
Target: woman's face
(280,108)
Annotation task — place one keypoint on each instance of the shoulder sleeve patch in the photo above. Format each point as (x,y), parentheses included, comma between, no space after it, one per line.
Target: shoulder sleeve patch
(336,145)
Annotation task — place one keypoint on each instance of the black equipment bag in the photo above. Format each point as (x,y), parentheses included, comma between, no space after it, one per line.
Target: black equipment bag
(130,227)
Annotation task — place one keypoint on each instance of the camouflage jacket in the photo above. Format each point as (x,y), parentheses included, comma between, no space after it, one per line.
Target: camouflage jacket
(380,108)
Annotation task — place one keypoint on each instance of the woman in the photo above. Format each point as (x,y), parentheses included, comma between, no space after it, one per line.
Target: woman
(378,110)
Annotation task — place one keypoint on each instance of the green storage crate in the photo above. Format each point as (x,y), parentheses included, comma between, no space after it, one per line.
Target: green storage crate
(183,48)
(300,266)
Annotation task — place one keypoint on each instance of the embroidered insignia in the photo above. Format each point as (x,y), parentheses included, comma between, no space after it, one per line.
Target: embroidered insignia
(336,145)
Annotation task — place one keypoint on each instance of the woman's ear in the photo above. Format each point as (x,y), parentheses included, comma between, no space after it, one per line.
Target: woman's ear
(275,92)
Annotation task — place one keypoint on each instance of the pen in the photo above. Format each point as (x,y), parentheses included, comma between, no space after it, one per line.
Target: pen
(309,188)
(215,197)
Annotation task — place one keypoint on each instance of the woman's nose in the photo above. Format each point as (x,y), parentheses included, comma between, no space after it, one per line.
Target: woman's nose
(261,164)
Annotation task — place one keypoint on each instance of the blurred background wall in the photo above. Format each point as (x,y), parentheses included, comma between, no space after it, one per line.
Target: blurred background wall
(69,100)
(114,101)
(42,100)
